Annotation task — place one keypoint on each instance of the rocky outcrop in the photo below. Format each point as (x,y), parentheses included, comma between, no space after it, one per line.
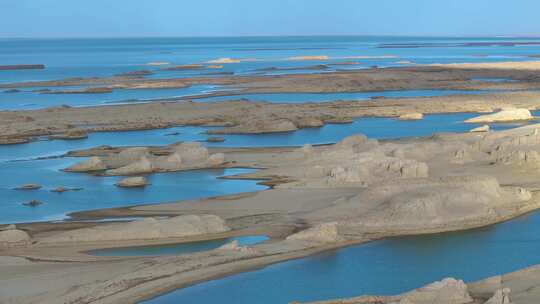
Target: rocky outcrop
(216,159)
(411,116)
(28,187)
(132,182)
(507,114)
(147,229)
(447,291)
(140,160)
(518,157)
(484,128)
(70,135)
(322,233)
(142,166)
(126,156)
(191,152)
(449,202)
(501,296)
(93,163)
(235,246)
(13,237)
(33,203)
(62,189)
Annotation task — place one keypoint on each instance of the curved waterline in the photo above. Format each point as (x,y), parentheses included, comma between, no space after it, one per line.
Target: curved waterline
(382,267)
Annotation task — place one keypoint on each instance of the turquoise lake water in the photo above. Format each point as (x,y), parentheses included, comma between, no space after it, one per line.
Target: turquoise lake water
(65,58)
(383,267)
(381,128)
(106,57)
(28,100)
(176,249)
(100,192)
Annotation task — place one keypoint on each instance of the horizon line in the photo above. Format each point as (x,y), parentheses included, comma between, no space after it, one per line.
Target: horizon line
(278,35)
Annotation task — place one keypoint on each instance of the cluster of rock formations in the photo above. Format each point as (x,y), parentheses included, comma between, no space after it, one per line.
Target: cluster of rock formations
(446,291)
(140,160)
(356,161)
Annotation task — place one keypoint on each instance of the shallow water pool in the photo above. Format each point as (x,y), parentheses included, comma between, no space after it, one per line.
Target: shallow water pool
(182,248)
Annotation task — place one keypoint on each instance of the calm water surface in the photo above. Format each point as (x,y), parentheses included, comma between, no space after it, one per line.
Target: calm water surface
(100,192)
(383,267)
(106,57)
(381,128)
(28,100)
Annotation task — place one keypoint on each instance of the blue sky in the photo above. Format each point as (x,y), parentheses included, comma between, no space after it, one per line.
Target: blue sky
(114,18)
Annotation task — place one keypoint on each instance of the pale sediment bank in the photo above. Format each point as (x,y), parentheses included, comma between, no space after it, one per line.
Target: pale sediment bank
(327,197)
(240,116)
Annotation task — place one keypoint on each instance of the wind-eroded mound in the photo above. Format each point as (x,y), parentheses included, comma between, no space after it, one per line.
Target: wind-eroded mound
(140,160)
(146,229)
(12,237)
(436,204)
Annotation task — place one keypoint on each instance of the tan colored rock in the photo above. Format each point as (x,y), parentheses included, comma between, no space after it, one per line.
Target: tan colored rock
(322,233)
(507,114)
(132,182)
(447,291)
(411,116)
(142,166)
(14,237)
(230,246)
(224,60)
(406,168)
(449,201)
(126,157)
(71,135)
(307,150)
(518,157)
(28,187)
(342,175)
(192,152)
(501,296)
(302,58)
(147,229)
(484,128)
(216,159)
(352,141)
(93,163)
(170,162)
